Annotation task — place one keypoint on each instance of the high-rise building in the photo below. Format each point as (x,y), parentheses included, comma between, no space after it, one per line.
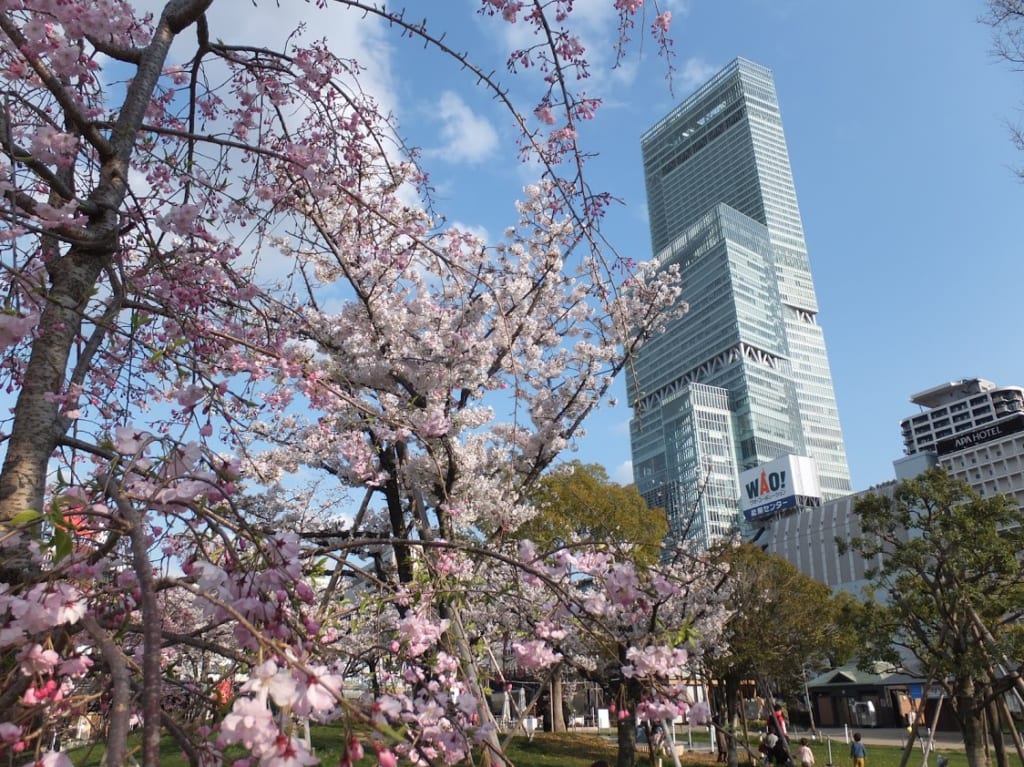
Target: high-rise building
(743,377)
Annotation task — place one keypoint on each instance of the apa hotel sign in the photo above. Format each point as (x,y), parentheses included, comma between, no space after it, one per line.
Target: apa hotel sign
(778,485)
(987,433)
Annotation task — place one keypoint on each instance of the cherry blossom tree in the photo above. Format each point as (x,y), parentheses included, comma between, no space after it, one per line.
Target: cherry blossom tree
(182,427)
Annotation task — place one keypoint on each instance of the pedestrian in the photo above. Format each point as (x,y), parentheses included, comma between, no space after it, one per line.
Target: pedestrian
(804,754)
(778,734)
(722,744)
(765,746)
(857,751)
(777,722)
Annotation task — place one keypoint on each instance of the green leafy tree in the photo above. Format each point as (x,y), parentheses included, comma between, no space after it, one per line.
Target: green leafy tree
(948,594)
(784,622)
(577,500)
(847,617)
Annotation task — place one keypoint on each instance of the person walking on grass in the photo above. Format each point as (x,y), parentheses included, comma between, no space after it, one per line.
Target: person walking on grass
(857,751)
(804,755)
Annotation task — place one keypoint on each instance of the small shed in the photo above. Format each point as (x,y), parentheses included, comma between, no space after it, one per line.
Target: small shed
(879,697)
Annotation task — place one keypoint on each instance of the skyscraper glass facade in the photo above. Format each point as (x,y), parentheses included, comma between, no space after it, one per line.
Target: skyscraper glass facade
(723,206)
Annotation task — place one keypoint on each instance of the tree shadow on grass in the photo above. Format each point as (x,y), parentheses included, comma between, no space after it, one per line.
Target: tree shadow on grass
(570,750)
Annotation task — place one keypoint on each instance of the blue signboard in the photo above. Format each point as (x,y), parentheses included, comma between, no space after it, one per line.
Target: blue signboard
(772,507)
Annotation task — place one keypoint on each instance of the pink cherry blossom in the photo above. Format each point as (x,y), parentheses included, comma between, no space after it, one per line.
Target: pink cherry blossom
(63,603)
(250,723)
(386,709)
(655,661)
(386,758)
(129,440)
(354,749)
(268,679)
(235,304)
(35,660)
(285,752)
(52,147)
(318,693)
(419,632)
(12,635)
(545,114)
(76,666)
(14,328)
(622,584)
(700,713)
(534,654)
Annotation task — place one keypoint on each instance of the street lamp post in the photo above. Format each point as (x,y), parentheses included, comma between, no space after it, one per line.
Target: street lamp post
(807,701)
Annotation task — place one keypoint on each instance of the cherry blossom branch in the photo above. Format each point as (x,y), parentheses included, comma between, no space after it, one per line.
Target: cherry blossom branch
(56,88)
(120,683)
(22,156)
(181,738)
(488,80)
(150,631)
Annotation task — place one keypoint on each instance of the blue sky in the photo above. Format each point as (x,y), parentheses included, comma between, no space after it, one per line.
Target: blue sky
(896,119)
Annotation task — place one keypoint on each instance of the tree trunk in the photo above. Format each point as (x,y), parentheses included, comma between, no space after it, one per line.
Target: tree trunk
(971,717)
(908,747)
(627,696)
(557,717)
(626,736)
(734,719)
(996,732)
(1010,725)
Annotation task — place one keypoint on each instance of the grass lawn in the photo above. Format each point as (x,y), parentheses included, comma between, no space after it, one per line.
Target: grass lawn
(878,756)
(580,750)
(562,750)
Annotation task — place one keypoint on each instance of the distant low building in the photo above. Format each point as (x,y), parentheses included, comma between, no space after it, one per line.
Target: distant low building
(807,540)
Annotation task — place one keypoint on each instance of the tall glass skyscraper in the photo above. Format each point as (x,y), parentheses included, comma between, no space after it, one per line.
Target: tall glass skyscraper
(743,377)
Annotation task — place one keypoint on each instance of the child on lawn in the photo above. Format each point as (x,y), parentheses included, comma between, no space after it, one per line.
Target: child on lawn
(857,751)
(804,755)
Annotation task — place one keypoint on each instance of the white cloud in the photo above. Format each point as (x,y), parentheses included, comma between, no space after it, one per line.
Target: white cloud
(358,36)
(474,229)
(623,473)
(468,137)
(694,72)
(594,14)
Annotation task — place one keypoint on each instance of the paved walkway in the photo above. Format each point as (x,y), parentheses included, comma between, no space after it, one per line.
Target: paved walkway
(881,736)
(877,736)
